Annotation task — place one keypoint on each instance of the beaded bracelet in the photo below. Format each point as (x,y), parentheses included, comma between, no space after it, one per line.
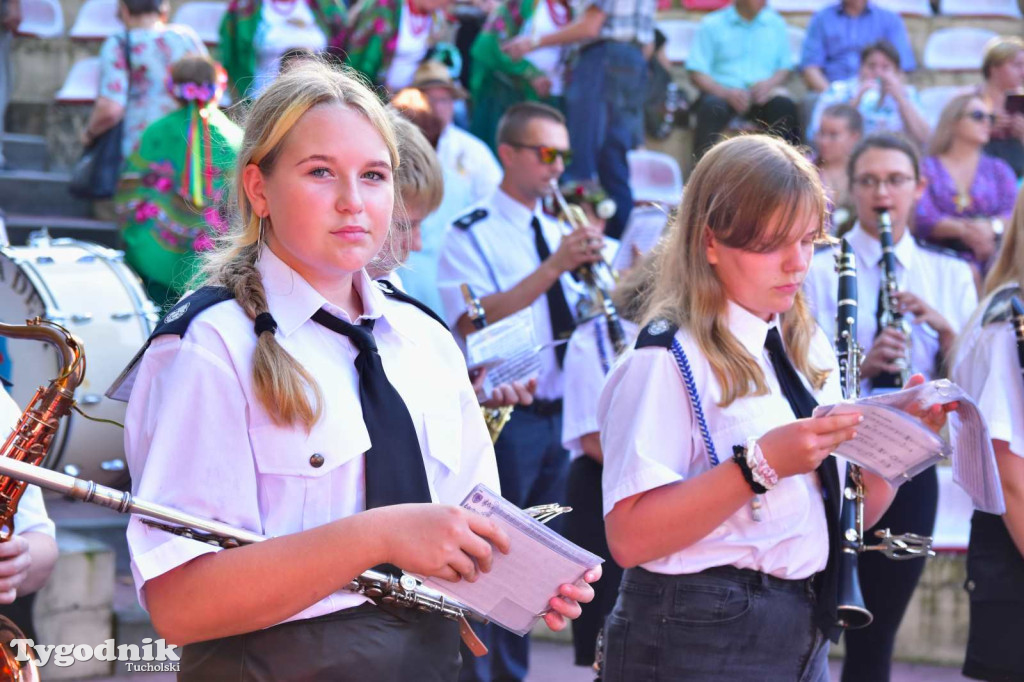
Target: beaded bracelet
(739,455)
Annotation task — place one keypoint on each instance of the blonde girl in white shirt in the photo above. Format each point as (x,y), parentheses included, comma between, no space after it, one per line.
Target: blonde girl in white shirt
(723,583)
(247,407)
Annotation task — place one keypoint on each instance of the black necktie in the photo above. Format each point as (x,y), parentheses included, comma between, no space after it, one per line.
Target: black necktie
(562,322)
(803,404)
(394,464)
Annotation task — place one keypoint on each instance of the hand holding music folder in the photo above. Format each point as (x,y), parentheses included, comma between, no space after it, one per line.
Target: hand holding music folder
(515,592)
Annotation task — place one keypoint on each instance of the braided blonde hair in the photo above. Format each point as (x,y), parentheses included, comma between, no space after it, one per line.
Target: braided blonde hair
(288,392)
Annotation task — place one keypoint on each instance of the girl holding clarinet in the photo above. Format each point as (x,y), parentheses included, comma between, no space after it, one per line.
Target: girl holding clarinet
(720,497)
(295,398)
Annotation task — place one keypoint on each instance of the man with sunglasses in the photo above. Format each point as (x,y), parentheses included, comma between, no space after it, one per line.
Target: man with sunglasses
(514,257)
(937,296)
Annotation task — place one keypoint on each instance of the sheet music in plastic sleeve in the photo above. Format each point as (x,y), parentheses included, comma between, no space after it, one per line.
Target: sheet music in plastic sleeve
(897,446)
(646,225)
(508,349)
(515,592)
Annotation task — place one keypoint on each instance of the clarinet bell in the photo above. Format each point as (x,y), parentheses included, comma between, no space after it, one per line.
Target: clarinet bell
(853,614)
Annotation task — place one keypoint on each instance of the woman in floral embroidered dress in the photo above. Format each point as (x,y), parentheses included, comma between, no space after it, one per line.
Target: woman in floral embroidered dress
(173,185)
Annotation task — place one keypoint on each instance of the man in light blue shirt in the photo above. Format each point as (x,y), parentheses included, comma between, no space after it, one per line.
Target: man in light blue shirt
(740,60)
(838,33)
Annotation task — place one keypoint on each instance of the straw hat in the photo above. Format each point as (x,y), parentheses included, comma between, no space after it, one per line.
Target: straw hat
(434,74)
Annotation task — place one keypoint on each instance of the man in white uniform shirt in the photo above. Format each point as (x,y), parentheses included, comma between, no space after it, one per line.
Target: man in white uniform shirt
(471,173)
(937,296)
(514,257)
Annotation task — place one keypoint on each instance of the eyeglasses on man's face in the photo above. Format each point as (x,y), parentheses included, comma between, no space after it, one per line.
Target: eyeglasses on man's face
(547,155)
(871,182)
(979,116)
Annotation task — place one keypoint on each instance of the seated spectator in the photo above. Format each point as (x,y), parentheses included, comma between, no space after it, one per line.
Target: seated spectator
(172,187)
(140,97)
(498,81)
(880,94)
(841,129)
(740,60)
(254,35)
(387,39)
(1003,69)
(838,33)
(470,173)
(969,196)
(10,19)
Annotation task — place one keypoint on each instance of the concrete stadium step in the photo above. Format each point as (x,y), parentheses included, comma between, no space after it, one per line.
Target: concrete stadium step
(26,152)
(20,226)
(37,192)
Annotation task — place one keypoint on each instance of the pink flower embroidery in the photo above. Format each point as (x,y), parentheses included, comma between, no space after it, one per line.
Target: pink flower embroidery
(214,219)
(202,242)
(146,211)
(163,184)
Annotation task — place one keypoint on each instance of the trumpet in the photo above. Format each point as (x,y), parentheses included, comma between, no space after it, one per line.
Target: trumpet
(597,277)
(889,314)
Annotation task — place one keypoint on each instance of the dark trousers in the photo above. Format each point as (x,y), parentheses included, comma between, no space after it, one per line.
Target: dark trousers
(888,585)
(995,583)
(604,111)
(585,527)
(361,644)
(777,116)
(20,613)
(532,468)
(723,623)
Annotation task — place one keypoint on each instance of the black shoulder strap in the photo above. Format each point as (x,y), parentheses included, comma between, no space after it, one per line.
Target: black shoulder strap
(658,333)
(474,216)
(999,306)
(391,291)
(175,322)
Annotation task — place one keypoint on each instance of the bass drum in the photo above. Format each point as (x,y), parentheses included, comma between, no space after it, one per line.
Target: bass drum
(88,289)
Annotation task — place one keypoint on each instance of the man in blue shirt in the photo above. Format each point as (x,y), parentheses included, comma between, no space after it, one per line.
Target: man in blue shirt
(740,59)
(838,33)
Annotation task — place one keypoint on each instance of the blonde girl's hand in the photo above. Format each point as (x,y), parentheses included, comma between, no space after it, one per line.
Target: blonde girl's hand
(441,541)
(565,606)
(800,446)
(933,417)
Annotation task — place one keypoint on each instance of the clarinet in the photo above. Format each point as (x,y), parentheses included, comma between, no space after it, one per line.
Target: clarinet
(889,315)
(853,614)
(1018,329)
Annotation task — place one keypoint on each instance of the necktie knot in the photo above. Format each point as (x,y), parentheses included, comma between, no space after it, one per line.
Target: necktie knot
(773,343)
(361,335)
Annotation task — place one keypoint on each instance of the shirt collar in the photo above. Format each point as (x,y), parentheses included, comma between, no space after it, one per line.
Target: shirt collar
(513,211)
(841,9)
(736,18)
(292,300)
(870,249)
(749,329)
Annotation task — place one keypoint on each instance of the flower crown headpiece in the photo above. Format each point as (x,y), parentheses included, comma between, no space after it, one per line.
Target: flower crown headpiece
(200,93)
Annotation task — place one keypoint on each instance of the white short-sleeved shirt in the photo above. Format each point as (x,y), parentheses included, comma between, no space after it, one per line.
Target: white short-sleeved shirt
(588,359)
(197,438)
(413,43)
(31,515)
(650,438)
(943,281)
(987,367)
(282,26)
(496,253)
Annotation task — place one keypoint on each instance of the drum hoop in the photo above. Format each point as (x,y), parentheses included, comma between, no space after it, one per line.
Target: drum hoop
(51,310)
(145,310)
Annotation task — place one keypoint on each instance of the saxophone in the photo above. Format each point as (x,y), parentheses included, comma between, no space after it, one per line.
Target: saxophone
(889,314)
(28,444)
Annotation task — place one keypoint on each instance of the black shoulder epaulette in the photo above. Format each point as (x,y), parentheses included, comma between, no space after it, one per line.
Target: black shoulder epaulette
(658,333)
(474,216)
(952,253)
(391,291)
(175,322)
(999,306)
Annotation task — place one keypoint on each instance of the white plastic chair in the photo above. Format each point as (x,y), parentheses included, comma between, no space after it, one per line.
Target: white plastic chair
(917,8)
(204,17)
(96,21)
(82,84)
(796,41)
(798,6)
(41,19)
(935,99)
(980,8)
(679,35)
(655,176)
(959,48)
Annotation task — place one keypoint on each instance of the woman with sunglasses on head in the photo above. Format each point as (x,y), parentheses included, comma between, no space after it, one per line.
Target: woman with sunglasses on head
(720,496)
(936,296)
(295,398)
(970,195)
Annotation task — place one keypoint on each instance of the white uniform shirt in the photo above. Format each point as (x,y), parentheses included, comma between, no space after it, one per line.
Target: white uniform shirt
(495,254)
(650,438)
(31,515)
(588,359)
(465,156)
(411,48)
(197,438)
(986,366)
(942,281)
